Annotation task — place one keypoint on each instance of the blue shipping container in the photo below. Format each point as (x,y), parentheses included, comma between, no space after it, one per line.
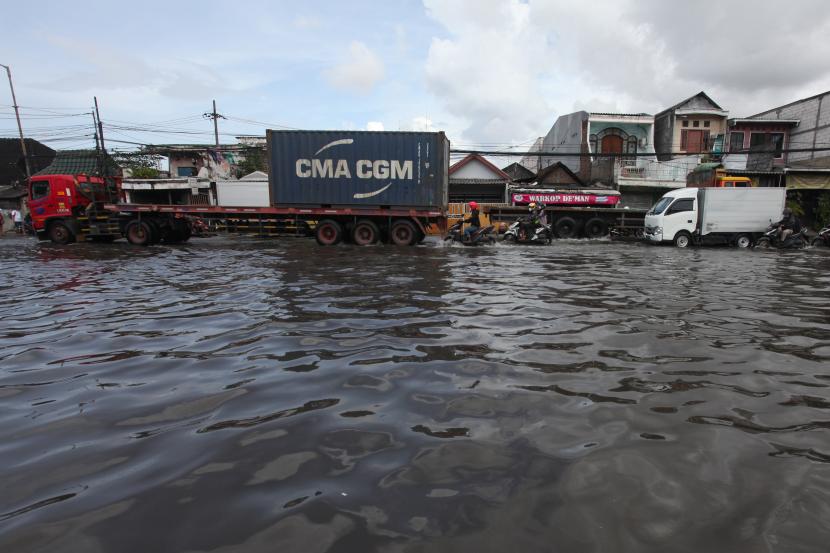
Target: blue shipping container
(359,168)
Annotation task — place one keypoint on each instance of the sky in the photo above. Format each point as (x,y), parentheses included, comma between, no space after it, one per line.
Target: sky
(492,74)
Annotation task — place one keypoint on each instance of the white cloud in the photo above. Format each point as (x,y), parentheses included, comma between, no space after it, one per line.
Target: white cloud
(307,22)
(507,68)
(374,126)
(359,72)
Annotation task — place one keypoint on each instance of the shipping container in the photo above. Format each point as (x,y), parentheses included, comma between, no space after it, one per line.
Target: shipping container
(358,169)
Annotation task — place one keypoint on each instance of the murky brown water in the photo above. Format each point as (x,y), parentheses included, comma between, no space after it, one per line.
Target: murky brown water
(245,395)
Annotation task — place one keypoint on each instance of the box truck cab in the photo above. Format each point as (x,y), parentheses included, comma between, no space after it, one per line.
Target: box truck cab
(736,216)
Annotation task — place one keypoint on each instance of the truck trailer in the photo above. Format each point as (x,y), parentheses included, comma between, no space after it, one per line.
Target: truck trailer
(699,216)
(358,186)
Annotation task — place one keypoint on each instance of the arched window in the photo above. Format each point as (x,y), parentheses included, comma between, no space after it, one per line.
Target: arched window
(593,140)
(631,145)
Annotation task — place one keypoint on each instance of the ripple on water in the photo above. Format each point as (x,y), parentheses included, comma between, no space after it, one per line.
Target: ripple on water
(249,395)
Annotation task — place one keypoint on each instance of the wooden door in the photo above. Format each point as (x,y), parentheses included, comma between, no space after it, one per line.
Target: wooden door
(694,142)
(612,144)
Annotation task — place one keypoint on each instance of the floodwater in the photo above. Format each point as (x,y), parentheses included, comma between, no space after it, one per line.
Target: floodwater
(243,395)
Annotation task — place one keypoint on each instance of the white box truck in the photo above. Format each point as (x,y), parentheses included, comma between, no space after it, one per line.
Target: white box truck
(736,216)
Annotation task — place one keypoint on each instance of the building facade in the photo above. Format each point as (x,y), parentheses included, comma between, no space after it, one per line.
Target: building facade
(475,178)
(813,130)
(758,144)
(694,126)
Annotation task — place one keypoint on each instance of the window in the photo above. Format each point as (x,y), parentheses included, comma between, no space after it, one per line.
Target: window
(776,140)
(757,139)
(706,123)
(684,139)
(706,146)
(40,189)
(686,123)
(736,141)
(696,124)
(593,141)
(681,205)
(186,171)
(660,206)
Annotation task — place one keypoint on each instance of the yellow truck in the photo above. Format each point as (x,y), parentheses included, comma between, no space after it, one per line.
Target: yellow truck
(713,175)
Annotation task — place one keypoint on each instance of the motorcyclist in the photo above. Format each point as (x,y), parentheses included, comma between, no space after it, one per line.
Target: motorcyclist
(535,219)
(788,225)
(473,221)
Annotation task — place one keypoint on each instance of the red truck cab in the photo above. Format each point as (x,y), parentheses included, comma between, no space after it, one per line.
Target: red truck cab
(65,208)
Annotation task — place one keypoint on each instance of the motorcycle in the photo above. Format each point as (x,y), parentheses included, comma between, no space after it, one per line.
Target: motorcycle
(772,239)
(483,236)
(517,232)
(822,239)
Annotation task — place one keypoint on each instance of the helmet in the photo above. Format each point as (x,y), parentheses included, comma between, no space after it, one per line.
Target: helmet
(473,205)
(531,205)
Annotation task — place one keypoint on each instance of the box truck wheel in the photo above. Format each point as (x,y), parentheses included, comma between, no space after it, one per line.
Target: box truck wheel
(595,228)
(138,233)
(329,232)
(365,233)
(682,239)
(743,241)
(59,233)
(403,233)
(565,227)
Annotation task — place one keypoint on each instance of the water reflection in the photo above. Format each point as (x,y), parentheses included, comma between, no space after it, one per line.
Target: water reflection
(251,395)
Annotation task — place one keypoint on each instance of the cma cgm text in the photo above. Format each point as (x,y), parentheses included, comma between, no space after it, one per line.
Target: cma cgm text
(363,169)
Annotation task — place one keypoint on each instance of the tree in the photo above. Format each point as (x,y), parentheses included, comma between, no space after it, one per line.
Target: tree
(141,166)
(254,161)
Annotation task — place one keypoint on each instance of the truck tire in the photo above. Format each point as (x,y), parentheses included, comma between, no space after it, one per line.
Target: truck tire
(329,232)
(743,241)
(139,233)
(682,239)
(59,233)
(595,228)
(565,227)
(365,233)
(403,233)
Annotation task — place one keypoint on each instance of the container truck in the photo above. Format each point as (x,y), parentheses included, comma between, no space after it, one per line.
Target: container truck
(736,216)
(357,186)
(583,213)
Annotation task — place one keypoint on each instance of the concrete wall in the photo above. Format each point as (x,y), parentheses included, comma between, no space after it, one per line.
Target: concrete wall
(814,129)
(475,170)
(566,136)
(663,132)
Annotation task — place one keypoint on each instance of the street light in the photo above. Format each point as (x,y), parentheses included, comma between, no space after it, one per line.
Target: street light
(19,127)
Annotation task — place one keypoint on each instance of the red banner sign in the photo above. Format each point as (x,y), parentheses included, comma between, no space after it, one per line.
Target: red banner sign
(566,199)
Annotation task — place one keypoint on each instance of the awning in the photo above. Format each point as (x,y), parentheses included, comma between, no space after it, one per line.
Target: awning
(808,180)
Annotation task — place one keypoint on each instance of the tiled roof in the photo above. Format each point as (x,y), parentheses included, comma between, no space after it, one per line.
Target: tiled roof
(76,162)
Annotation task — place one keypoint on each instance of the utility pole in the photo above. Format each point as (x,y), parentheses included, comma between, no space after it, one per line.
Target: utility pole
(19,126)
(215,116)
(100,125)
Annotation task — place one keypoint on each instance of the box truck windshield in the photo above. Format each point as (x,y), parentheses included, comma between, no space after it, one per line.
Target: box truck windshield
(660,206)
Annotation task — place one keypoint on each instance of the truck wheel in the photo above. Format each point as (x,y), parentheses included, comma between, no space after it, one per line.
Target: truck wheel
(139,233)
(403,233)
(595,228)
(329,232)
(743,241)
(565,227)
(682,240)
(365,233)
(59,233)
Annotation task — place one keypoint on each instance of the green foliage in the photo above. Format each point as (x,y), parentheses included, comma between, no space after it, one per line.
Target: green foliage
(254,161)
(823,210)
(141,166)
(144,172)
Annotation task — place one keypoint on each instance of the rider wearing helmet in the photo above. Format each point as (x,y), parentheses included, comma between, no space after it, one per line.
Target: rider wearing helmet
(534,219)
(788,224)
(473,221)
